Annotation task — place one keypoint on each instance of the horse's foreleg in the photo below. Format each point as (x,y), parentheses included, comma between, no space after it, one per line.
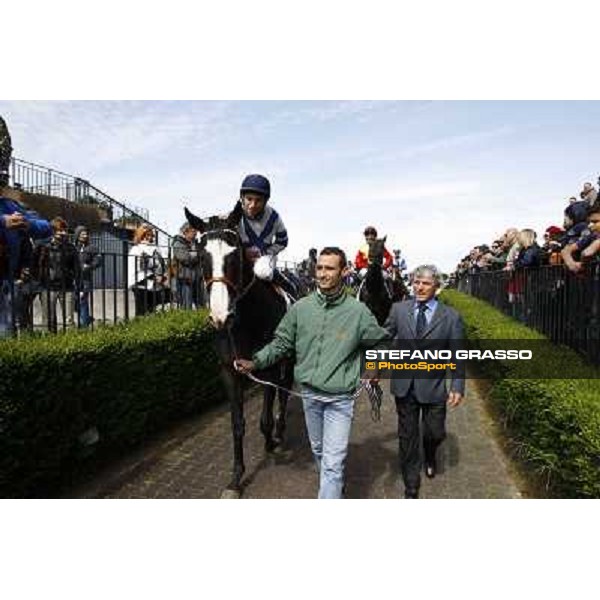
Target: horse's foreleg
(280,419)
(238,427)
(287,378)
(266,418)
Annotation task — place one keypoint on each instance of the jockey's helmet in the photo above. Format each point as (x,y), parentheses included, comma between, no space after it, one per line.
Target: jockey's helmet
(257,184)
(370,231)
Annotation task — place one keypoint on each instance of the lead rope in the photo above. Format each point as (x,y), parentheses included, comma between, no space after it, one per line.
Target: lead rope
(374,391)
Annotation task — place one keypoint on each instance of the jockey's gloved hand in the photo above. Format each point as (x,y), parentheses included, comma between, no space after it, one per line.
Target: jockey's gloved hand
(252,253)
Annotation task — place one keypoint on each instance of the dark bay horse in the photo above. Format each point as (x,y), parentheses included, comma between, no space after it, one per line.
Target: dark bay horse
(244,311)
(374,291)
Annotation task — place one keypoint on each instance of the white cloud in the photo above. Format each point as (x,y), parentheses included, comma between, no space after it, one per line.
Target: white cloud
(442,144)
(86,137)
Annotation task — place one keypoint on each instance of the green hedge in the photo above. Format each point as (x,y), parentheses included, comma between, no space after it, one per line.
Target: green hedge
(554,423)
(127,381)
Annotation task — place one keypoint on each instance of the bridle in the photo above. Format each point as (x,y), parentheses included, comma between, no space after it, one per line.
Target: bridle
(208,281)
(375,256)
(238,294)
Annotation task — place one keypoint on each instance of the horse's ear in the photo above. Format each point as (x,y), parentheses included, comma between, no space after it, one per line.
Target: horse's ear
(384,238)
(234,216)
(196,222)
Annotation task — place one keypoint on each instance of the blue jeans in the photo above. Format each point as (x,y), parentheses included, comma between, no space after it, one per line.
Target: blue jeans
(85,318)
(328,423)
(185,293)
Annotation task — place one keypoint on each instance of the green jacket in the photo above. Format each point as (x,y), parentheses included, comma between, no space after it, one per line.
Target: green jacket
(326,337)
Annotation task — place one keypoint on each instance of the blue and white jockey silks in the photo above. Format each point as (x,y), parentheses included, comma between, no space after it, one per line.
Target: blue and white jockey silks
(268,235)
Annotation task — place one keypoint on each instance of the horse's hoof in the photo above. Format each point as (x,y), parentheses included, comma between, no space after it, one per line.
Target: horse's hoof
(230,494)
(279,444)
(270,447)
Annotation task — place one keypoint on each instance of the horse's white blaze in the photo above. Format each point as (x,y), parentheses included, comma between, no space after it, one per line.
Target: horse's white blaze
(219,294)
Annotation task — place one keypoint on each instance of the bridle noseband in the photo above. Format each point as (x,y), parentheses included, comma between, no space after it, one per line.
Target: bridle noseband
(210,280)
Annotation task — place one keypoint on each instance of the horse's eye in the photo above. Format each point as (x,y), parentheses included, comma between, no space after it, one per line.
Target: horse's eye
(231,239)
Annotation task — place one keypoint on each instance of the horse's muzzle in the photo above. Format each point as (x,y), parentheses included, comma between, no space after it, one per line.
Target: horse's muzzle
(219,323)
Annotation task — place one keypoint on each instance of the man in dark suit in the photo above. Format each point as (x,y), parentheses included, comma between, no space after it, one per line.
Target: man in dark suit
(424,318)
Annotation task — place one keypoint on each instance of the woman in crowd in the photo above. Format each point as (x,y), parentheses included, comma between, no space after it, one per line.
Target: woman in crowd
(528,256)
(147,272)
(529,251)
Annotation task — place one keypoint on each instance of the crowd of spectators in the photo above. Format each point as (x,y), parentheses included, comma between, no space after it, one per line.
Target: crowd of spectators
(572,245)
(40,260)
(159,275)
(522,291)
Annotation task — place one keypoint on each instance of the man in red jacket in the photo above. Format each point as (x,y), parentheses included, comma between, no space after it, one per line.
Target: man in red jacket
(361,262)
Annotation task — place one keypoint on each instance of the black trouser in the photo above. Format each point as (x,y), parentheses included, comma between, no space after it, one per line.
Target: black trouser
(410,413)
(145,301)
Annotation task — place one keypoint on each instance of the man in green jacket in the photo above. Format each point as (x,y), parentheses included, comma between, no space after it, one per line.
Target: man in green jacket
(326,331)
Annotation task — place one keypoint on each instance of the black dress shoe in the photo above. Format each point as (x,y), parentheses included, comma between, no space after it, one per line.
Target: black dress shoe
(411,494)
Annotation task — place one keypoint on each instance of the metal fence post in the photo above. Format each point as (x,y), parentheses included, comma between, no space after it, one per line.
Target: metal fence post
(126,278)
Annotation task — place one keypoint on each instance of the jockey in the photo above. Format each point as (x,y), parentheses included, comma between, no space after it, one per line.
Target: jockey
(399,261)
(311,263)
(262,231)
(361,262)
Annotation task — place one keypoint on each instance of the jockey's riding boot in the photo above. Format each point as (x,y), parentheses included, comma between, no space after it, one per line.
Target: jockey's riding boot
(285,284)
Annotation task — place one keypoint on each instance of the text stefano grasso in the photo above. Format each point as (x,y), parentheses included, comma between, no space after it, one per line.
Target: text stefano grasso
(496,354)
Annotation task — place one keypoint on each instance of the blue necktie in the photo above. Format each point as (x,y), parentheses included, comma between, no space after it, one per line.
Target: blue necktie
(421,319)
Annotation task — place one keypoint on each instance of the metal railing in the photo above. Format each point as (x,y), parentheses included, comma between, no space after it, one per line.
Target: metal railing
(562,305)
(60,296)
(54,294)
(37,179)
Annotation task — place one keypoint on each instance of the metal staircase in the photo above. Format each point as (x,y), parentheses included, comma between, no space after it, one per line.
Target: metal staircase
(114,215)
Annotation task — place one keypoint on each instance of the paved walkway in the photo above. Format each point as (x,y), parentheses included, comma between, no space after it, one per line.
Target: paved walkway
(194,459)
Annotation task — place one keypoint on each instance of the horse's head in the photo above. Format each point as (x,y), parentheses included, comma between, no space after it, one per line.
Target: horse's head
(223,264)
(376,248)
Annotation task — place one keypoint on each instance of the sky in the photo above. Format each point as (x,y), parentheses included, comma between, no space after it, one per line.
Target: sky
(435,177)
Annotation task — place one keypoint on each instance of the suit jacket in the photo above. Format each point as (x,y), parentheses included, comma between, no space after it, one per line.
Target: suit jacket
(445,325)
